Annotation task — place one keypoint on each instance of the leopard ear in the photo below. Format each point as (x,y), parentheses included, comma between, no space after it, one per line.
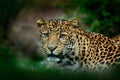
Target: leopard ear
(75,22)
(40,22)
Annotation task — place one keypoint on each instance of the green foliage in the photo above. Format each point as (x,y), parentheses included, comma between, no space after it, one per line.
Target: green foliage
(102,15)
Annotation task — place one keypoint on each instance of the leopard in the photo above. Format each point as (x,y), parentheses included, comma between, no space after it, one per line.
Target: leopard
(74,49)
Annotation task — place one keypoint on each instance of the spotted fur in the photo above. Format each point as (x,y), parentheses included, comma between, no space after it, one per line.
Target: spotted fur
(74,49)
(117,39)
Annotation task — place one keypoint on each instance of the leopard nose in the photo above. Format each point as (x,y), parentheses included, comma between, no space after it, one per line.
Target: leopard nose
(52,48)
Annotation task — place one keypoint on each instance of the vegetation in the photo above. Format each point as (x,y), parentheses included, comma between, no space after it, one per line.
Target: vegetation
(103,16)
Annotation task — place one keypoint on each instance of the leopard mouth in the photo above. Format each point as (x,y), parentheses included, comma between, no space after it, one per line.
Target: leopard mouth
(55,58)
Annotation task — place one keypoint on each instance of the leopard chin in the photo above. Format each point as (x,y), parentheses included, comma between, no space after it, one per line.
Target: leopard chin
(53,59)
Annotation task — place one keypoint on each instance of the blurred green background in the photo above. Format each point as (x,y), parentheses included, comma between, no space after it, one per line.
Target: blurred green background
(20,56)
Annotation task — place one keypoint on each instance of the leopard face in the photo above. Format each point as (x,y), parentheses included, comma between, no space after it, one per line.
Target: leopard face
(57,37)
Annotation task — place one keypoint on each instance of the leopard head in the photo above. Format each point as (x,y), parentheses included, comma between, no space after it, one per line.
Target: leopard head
(57,36)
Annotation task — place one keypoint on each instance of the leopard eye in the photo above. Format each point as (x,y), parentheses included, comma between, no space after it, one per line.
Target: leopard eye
(62,35)
(46,34)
